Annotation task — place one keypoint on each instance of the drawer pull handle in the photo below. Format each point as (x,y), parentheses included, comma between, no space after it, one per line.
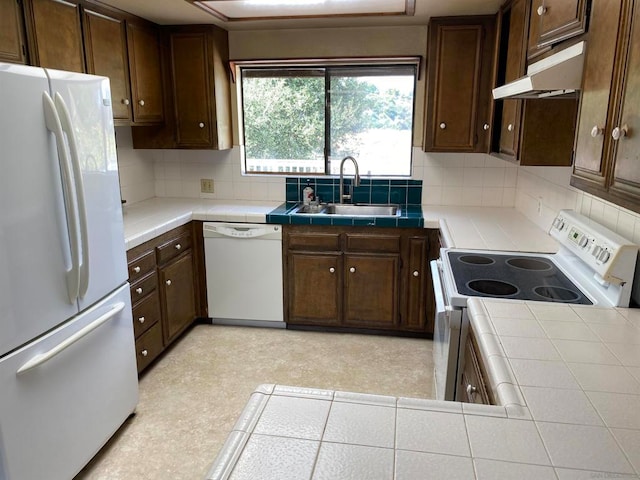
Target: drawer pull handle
(141,319)
(416,273)
(168,282)
(144,353)
(178,246)
(352,269)
(139,290)
(332,270)
(471,390)
(136,269)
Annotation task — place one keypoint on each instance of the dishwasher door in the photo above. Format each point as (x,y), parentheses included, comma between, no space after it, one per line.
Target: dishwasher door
(244,273)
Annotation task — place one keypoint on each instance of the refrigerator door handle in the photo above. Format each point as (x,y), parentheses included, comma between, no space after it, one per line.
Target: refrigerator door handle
(67,127)
(52,122)
(46,356)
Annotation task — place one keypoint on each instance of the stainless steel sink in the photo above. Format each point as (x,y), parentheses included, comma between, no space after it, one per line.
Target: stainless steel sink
(362,210)
(311,209)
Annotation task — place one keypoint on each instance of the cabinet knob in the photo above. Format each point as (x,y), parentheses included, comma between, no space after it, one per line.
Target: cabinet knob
(136,269)
(443,126)
(596,130)
(141,319)
(352,269)
(178,246)
(416,273)
(471,390)
(139,290)
(332,270)
(541,10)
(485,127)
(141,103)
(144,353)
(510,127)
(619,132)
(168,282)
(201,124)
(126,101)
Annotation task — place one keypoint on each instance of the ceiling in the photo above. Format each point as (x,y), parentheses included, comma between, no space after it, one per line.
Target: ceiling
(173,12)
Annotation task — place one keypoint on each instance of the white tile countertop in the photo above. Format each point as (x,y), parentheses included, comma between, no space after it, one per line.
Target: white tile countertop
(462,227)
(567,377)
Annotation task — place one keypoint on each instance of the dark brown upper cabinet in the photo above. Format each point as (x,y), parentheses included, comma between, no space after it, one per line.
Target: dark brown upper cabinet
(12,44)
(55,34)
(559,20)
(460,64)
(198,96)
(145,68)
(533,49)
(106,54)
(608,141)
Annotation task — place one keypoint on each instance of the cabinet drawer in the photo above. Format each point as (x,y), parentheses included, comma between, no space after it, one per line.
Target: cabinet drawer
(149,346)
(373,243)
(314,241)
(141,266)
(173,248)
(146,313)
(143,287)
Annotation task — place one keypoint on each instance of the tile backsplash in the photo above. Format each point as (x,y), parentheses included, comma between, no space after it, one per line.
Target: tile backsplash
(404,192)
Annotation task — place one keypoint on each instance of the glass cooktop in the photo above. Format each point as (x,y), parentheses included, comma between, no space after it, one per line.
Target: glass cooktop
(512,276)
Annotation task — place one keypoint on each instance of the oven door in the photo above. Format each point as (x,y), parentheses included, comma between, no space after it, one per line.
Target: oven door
(446,338)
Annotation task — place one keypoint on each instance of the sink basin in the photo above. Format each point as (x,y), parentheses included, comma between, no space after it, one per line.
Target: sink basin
(310,209)
(362,210)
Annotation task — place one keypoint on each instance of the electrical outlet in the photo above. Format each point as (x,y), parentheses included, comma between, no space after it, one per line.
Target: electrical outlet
(206,185)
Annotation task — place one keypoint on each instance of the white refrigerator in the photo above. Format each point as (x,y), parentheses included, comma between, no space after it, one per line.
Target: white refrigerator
(68,375)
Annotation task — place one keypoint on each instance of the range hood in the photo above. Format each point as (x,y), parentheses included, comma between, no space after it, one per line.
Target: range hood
(558,74)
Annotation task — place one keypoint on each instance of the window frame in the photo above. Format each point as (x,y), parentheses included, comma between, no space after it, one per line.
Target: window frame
(327,64)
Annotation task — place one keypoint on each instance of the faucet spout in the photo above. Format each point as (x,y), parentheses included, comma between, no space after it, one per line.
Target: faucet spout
(356,179)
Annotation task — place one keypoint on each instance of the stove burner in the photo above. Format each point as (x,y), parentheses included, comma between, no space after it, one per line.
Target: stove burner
(557,294)
(525,263)
(493,288)
(476,260)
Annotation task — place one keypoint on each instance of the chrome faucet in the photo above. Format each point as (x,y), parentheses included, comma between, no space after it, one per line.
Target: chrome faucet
(356,179)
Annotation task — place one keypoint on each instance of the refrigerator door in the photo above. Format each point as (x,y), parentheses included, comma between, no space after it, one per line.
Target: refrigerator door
(65,394)
(34,238)
(84,105)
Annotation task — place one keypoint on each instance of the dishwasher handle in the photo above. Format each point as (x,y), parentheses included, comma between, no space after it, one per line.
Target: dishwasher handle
(241,230)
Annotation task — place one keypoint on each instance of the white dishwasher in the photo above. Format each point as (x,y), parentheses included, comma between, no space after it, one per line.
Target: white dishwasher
(244,273)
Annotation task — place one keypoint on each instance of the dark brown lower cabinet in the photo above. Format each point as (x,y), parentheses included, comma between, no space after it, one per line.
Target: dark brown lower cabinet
(367,278)
(473,387)
(165,289)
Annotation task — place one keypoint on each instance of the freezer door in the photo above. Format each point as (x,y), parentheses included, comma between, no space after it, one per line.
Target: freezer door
(64,395)
(84,105)
(34,239)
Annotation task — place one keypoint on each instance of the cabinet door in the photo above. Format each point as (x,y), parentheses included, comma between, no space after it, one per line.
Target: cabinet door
(371,289)
(594,125)
(561,19)
(533,50)
(106,53)
(178,296)
(458,102)
(314,288)
(12,48)
(55,35)
(146,73)
(626,173)
(417,275)
(191,89)
(516,19)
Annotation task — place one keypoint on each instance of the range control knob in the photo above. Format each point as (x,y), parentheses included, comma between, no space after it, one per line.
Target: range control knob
(559,223)
(596,251)
(584,241)
(604,256)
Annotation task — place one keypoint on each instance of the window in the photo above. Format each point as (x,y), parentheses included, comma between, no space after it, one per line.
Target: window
(306,119)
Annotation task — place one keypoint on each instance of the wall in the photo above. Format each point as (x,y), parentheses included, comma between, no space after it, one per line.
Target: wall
(549,187)
(136,169)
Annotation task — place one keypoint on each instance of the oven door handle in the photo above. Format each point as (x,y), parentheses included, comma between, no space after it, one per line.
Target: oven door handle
(442,308)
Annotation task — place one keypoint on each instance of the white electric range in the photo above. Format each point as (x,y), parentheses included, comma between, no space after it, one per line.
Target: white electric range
(594,266)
